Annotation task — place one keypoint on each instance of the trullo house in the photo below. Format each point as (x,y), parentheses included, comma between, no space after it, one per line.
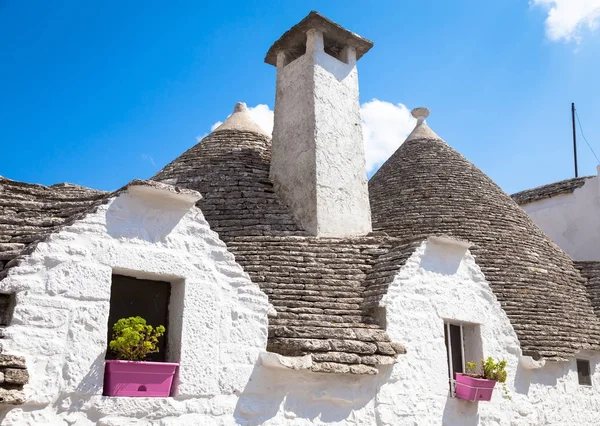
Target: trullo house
(294,291)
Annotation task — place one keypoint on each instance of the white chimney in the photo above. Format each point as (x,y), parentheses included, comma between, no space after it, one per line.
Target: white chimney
(318,158)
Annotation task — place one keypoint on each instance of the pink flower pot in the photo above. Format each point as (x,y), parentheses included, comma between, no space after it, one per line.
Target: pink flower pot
(473,389)
(138,378)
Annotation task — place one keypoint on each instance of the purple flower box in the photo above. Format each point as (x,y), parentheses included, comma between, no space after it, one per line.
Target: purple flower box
(474,389)
(138,378)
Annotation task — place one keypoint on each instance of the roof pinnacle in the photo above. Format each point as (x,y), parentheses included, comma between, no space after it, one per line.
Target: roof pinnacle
(240,107)
(421,130)
(241,120)
(420,113)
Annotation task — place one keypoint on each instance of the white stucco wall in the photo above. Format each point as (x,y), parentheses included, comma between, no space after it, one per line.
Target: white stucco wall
(217,324)
(442,282)
(572,220)
(318,159)
(59,325)
(439,282)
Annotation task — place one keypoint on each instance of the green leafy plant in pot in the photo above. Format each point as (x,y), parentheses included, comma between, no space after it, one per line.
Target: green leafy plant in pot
(490,370)
(133,340)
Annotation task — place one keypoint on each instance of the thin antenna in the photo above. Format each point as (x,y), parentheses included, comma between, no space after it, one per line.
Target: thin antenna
(574,136)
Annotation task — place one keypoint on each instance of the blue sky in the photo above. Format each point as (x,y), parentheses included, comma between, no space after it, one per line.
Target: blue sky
(100,93)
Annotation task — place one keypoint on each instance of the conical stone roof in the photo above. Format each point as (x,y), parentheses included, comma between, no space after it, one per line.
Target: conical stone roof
(230,168)
(316,285)
(427,188)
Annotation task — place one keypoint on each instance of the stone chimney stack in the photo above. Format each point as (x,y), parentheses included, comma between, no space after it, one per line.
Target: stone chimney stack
(318,158)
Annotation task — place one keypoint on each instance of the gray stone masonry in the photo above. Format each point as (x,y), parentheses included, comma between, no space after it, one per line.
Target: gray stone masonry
(13,376)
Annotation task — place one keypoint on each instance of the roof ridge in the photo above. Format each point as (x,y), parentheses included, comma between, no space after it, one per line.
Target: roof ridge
(550,190)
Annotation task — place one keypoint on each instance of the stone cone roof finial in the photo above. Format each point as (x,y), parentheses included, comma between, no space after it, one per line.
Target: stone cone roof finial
(240,107)
(241,120)
(421,130)
(420,114)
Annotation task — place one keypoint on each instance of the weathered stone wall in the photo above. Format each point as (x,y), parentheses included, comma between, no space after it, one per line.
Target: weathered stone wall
(572,220)
(13,375)
(13,371)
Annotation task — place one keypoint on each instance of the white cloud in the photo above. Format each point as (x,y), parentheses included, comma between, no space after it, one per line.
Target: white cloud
(261,114)
(568,18)
(385,127)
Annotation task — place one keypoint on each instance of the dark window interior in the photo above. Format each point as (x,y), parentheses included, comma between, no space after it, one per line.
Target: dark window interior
(583,372)
(457,361)
(296,51)
(453,347)
(333,49)
(5,308)
(148,299)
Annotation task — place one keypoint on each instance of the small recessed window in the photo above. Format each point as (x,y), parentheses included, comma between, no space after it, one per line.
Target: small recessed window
(463,343)
(6,308)
(583,372)
(130,297)
(454,349)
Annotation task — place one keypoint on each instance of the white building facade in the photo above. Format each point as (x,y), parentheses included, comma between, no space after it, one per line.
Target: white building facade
(568,212)
(281,308)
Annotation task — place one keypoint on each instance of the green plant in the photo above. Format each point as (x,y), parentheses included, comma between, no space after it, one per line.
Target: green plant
(133,339)
(491,370)
(472,368)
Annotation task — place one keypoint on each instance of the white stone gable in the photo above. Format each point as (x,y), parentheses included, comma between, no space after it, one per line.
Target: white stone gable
(217,320)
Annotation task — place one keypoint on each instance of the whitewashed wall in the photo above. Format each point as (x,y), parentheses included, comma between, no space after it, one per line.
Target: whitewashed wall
(62,309)
(439,282)
(572,220)
(442,282)
(62,306)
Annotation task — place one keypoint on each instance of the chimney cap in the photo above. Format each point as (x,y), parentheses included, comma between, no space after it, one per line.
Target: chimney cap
(295,37)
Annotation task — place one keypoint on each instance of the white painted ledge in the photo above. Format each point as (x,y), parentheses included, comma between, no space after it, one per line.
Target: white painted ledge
(447,240)
(148,188)
(273,360)
(528,363)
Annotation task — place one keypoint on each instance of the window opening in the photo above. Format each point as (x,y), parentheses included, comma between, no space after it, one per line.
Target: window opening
(455,349)
(295,51)
(583,372)
(6,308)
(136,297)
(334,49)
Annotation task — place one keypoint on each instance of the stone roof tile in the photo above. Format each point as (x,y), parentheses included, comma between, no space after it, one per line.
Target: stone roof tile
(591,271)
(427,188)
(316,285)
(31,212)
(566,186)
